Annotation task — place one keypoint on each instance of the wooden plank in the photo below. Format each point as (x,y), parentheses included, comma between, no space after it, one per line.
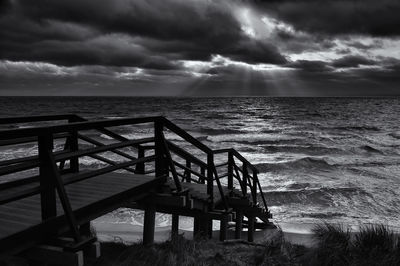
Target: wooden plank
(28,132)
(100,149)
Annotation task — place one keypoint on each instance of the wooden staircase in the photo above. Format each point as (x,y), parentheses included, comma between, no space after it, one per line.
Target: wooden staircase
(198,181)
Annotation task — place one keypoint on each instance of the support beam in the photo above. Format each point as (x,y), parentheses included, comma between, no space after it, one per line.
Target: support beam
(175,225)
(250,232)
(223,227)
(200,227)
(84,229)
(93,250)
(239,224)
(149,224)
(209,227)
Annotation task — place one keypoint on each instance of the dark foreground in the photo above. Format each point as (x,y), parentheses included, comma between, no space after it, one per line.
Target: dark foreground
(334,245)
(373,245)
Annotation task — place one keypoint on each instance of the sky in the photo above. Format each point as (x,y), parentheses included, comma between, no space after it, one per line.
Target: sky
(200,47)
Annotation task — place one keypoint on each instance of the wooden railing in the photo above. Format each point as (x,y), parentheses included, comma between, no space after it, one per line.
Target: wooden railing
(53,174)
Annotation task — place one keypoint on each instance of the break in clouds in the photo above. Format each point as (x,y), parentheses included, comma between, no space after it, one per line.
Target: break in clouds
(193,47)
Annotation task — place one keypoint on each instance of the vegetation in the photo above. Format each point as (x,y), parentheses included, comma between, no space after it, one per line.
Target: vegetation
(335,245)
(183,252)
(372,245)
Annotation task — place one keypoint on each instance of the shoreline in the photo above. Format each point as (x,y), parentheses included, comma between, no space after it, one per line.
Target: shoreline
(298,234)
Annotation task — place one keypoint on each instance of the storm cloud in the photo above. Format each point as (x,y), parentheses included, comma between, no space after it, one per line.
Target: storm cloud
(302,47)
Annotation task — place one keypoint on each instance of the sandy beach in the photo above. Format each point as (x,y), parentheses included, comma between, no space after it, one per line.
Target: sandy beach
(299,234)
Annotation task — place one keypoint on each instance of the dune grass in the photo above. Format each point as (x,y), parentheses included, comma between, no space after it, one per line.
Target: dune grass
(372,245)
(334,245)
(201,251)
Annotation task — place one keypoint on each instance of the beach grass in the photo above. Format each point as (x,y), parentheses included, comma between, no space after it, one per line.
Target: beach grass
(334,245)
(371,245)
(200,251)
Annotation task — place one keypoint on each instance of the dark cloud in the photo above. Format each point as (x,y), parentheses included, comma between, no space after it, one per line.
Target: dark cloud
(352,61)
(371,17)
(276,48)
(65,33)
(310,66)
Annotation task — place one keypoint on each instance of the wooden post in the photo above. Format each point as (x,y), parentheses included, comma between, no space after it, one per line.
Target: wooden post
(175,225)
(74,146)
(140,166)
(203,173)
(189,174)
(160,163)
(209,227)
(230,170)
(239,224)
(245,176)
(254,188)
(149,224)
(84,229)
(196,226)
(200,227)
(250,231)
(210,179)
(223,227)
(47,182)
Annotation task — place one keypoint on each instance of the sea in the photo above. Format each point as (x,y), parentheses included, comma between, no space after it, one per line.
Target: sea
(320,159)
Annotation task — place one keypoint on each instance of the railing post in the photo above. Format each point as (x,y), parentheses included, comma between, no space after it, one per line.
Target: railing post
(74,146)
(230,170)
(245,177)
(47,184)
(203,173)
(254,188)
(160,164)
(140,166)
(210,178)
(188,173)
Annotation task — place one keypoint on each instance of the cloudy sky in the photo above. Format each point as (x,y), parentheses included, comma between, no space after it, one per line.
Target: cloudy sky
(200,47)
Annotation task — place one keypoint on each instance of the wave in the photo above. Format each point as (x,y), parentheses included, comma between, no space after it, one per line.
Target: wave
(371,149)
(305,162)
(395,135)
(309,149)
(217,131)
(356,128)
(258,141)
(321,196)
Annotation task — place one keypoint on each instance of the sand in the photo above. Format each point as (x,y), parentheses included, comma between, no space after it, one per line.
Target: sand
(299,234)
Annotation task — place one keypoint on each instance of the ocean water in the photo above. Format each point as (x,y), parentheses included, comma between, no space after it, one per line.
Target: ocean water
(333,159)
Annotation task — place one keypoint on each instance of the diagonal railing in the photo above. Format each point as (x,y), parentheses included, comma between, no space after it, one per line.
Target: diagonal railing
(167,159)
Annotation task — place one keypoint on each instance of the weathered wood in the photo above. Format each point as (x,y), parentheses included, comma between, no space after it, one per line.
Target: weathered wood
(98,143)
(74,147)
(230,170)
(140,167)
(210,179)
(250,229)
(86,195)
(149,224)
(63,196)
(238,224)
(160,161)
(223,228)
(175,225)
(47,182)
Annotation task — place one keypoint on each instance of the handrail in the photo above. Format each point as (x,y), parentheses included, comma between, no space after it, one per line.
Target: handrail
(37,118)
(186,136)
(75,126)
(76,123)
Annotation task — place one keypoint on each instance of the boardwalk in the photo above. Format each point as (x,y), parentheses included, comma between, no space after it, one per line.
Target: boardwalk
(53,199)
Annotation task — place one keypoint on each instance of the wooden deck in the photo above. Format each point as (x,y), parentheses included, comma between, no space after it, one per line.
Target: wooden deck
(110,190)
(155,174)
